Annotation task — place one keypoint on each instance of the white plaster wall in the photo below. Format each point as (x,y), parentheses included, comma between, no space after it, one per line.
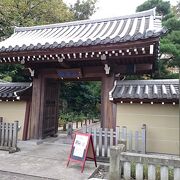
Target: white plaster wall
(162,124)
(13,111)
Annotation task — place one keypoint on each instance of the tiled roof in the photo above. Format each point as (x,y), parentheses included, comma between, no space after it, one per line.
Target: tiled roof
(134,27)
(147,89)
(12,90)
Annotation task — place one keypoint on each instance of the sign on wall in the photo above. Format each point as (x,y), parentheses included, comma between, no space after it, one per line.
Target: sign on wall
(82,149)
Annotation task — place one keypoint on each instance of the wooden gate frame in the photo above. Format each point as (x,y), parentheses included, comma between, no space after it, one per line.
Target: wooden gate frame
(108,109)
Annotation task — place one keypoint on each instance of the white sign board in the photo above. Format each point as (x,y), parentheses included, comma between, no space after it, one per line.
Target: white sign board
(80,144)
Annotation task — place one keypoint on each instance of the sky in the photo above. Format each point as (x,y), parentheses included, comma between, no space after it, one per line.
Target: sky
(113,8)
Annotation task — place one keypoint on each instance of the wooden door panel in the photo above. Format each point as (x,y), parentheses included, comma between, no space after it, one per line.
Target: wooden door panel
(50,116)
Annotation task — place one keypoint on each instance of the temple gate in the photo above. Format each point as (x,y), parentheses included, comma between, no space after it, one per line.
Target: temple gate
(103,50)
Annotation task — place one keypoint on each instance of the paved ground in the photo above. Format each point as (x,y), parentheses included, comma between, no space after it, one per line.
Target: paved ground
(47,160)
(15,176)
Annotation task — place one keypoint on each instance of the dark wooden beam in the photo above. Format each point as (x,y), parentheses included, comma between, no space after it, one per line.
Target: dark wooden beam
(83,49)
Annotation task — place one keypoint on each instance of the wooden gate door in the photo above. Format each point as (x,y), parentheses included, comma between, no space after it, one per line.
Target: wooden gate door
(50,115)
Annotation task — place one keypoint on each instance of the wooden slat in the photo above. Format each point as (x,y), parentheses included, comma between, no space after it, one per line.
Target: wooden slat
(130,140)
(111,137)
(84,129)
(100,141)
(90,130)
(95,139)
(15,132)
(124,133)
(1,121)
(143,150)
(2,134)
(10,135)
(136,141)
(105,141)
(117,134)
(6,134)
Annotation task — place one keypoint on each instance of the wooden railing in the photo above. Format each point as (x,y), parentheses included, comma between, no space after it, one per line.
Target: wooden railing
(104,139)
(8,136)
(125,165)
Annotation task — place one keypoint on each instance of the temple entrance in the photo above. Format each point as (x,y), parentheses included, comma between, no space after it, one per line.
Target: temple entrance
(69,101)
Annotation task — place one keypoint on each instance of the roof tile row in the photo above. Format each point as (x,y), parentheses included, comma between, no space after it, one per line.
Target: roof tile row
(141,25)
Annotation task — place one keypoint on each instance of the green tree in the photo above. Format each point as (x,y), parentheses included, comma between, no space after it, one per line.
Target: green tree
(169,44)
(176,9)
(30,13)
(162,7)
(81,97)
(83,9)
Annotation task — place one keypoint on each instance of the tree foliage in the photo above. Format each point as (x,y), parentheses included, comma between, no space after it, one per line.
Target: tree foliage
(83,9)
(30,13)
(162,7)
(80,98)
(169,44)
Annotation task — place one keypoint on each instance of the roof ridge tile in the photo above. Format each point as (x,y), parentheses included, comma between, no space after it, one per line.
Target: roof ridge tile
(88,21)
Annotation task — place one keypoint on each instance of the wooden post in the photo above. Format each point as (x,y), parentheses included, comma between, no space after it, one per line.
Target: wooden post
(37,107)
(108,109)
(26,121)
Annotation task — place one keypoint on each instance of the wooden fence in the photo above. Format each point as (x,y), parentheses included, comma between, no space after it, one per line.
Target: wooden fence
(8,136)
(126,165)
(104,139)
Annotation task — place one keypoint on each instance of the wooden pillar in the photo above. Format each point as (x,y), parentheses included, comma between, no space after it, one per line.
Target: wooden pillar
(26,120)
(108,109)
(37,107)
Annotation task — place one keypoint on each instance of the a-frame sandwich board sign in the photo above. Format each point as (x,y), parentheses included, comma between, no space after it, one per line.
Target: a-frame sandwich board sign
(82,149)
